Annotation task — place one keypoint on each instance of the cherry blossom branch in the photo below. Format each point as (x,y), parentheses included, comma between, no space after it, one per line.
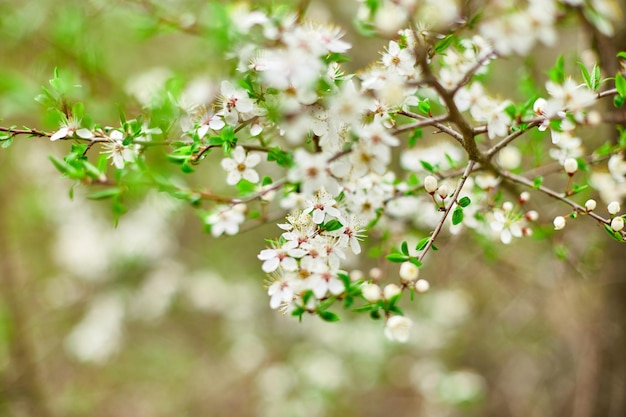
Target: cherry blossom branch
(468,76)
(453,202)
(208,195)
(429,122)
(557,196)
(510,138)
(26,131)
(423,122)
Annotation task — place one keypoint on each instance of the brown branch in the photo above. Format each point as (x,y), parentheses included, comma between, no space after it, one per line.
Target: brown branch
(453,202)
(557,196)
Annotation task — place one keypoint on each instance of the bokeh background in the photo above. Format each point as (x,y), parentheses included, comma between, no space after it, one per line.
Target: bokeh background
(156,318)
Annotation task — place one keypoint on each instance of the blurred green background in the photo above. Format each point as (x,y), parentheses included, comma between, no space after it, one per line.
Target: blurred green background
(157,318)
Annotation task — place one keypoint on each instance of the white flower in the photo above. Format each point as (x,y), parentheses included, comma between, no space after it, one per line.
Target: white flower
(390,291)
(240,166)
(321,205)
(398,328)
(571,166)
(430,184)
(312,170)
(617,224)
(69,128)
(117,152)
(559,222)
(327,281)
(226,220)
(371,292)
(613,207)
(617,167)
(282,291)
(422,286)
(398,60)
(408,272)
(234,102)
(285,257)
(590,205)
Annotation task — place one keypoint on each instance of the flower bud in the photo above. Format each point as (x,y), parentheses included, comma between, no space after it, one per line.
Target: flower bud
(507,206)
(371,292)
(376,273)
(355,275)
(559,222)
(524,197)
(594,118)
(430,184)
(539,106)
(443,191)
(590,205)
(571,166)
(613,207)
(422,285)
(617,224)
(532,216)
(398,328)
(391,290)
(409,272)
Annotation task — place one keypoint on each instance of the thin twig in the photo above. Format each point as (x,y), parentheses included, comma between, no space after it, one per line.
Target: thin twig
(453,202)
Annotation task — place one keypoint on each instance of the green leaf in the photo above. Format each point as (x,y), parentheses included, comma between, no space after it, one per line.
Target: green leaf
(405,248)
(60,165)
(621,54)
(108,193)
(615,235)
(585,73)
(618,101)
(557,73)
(422,244)
(282,158)
(596,77)
(620,84)
(537,182)
(331,225)
(424,107)
(428,167)
(444,43)
(365,308)
(397,258)
(457,215)
(415,136)
(7,142)
(416,262)
(328,316)
(465,201)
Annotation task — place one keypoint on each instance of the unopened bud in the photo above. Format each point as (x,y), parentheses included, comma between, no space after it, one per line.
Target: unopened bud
(527,231)
(524,197)
(594,118)
(532,216)
(559,222)
(422,285)
(613,207)
(376,273)
(443,191)
(409,272)
(355,275)
(507,206)
(539,106)
(590,205)
(391,290)
(371,292)
(617,224)
(570,166)
(430,184)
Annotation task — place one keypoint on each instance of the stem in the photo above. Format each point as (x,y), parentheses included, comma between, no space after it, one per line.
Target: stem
(558,196)
(455,196)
